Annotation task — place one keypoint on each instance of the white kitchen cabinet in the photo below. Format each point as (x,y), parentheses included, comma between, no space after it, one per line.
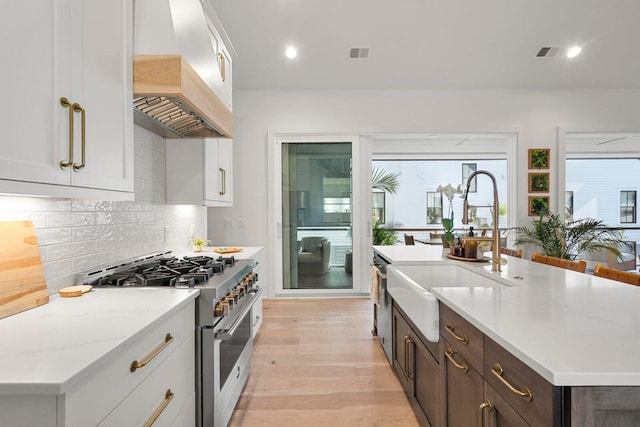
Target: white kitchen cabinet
(222,83)
(107,390)
(80,50)
(200,172)
(127,395)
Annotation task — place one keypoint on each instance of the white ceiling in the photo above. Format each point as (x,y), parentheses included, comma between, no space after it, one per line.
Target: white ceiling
(433,44)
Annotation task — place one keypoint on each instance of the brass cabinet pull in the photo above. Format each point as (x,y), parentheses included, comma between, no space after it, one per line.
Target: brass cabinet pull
(78,109)
(451,330)
(410,357)
(498,371)
(484,405)
(66,104)
(135,364)
(223,175)
(407,361)
(167,399)
(223,65)
(450,353)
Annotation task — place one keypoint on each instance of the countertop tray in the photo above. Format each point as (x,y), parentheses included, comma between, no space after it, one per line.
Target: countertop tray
(460,258)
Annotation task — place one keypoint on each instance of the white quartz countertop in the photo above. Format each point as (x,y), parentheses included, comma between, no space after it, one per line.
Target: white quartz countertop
(574,329)
(247,252)
(49,349)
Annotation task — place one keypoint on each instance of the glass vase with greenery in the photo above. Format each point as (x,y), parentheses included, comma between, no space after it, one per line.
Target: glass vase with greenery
(568,239)
(447,222)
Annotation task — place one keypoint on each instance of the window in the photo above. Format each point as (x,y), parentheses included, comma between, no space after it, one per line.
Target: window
(627,207)
(378,207)
(468,169)
(337,200)
(434,207)
(568,205)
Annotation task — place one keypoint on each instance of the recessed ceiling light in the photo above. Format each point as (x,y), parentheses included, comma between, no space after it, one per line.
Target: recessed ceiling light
(291,52)
(573,51)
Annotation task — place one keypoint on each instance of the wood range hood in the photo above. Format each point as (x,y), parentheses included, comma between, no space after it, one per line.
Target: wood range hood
(171,99)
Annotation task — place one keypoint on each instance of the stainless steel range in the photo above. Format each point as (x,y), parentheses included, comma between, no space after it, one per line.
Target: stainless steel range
(224,332)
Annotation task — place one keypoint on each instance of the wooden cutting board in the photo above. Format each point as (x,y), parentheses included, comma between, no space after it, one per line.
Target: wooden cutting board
(22,283)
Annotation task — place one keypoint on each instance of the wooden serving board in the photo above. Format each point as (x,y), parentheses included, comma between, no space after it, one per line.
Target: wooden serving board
(22,283)
(229,250)
(74,291)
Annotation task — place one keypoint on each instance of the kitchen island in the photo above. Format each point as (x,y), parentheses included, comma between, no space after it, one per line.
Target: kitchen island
(70,362)
(579,333)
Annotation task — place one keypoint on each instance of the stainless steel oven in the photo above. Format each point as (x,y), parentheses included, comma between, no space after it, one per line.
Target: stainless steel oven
(224,345)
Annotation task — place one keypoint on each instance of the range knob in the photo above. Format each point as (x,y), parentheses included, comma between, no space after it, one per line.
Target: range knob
(221,309)
(234,296)
(229,300)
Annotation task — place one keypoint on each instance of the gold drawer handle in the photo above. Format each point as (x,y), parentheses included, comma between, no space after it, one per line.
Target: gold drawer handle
(498,371)
(463,339)
(167,399)
(78,109)
(135,364)
(222,66)
(223,186)
(450,355)
(67,104)
(484,405)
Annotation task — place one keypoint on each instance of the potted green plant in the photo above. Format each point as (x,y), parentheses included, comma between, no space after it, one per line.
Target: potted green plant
(199,244)
(388,182)
(383,235)
(568,239)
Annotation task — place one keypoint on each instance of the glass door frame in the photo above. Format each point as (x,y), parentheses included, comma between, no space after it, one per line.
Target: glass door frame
(359,208)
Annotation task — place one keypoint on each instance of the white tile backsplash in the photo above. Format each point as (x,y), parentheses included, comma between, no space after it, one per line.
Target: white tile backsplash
(77,235)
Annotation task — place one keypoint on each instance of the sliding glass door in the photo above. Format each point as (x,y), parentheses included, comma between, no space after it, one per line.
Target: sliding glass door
(317,211)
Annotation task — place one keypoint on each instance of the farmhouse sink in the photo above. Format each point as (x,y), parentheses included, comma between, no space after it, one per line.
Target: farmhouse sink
(410,287)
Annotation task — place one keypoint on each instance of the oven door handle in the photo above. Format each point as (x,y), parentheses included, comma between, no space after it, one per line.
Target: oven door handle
(227,334)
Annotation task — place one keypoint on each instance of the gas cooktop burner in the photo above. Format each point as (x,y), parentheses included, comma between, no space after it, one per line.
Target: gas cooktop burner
(169,271)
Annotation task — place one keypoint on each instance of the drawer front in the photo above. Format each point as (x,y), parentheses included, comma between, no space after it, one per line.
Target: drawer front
(186,416)
(465,338)
(537,409)
(177,375)
(90,402)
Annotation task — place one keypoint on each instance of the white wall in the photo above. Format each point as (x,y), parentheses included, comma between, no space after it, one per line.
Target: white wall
(533,115)
(77,235)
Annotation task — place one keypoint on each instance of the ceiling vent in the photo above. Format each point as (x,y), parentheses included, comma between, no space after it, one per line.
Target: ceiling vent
(547,52)
(359,53)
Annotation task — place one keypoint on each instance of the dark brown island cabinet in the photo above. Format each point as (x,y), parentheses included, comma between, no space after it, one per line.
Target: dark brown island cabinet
(416,363)
(467,379)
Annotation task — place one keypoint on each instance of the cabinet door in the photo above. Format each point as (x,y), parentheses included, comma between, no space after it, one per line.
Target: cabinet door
(225,162)
(35,132)
(101,82)
(499,413)
(401,349)
(426,390)
(218,172)
(463,388)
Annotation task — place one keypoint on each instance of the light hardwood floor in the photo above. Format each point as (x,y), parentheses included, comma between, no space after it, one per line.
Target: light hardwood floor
(315,363)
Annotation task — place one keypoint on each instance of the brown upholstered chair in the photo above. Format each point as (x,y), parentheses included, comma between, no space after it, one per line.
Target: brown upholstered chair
(613,274)
(511,252)
(580,266)
(408,239)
